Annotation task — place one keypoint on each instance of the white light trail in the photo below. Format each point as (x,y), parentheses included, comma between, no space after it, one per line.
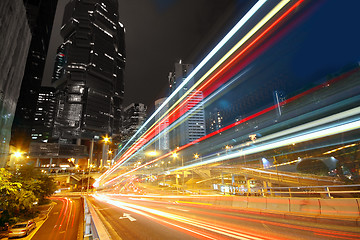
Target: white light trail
(228,36)
(238,26)
(297,139)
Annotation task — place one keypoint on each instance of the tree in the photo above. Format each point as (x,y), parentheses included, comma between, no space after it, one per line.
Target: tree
(13,197)
(33,180)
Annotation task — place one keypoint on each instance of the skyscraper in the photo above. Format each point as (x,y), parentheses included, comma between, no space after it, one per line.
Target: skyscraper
(14,45)
(162,143)
(40,16)
(193,126)
(88,71)
(134,117)
(44,115)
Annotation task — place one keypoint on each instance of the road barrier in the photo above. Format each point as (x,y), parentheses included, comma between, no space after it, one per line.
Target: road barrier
(334,208)
(93,227)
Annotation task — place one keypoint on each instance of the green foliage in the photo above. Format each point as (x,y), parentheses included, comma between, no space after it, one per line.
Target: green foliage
(14,199)
(7,187)
(20,190)
(33,180)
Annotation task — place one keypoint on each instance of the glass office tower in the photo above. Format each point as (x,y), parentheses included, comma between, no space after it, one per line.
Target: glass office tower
(89,70)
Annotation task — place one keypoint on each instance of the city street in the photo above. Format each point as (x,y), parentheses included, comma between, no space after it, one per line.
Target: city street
(179,120)
(146,218)
(63,221)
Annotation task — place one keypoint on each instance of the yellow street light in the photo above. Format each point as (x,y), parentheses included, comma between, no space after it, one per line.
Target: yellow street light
(175,155)
(106,139)
(196,156)
(152,153)
(17,154)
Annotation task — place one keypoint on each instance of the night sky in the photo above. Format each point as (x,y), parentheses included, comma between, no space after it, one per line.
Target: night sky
(319,42)
(158,34)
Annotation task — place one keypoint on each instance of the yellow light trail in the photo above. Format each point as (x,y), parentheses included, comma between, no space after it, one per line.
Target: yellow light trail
(257,27)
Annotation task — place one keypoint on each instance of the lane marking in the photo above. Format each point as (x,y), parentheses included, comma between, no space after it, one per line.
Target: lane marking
(199,203)
(127,215)
(184,210)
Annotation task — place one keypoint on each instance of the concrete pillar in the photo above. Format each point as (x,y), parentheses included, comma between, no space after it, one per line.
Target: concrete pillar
(50,165)
(91,151)
(248,185)
(264,190)
(271,191)
(105,149)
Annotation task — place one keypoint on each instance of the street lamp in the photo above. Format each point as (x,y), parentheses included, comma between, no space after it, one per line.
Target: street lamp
(152,153)
(106,139)
(17,154)
(110,156)
(175,155)
(90,166)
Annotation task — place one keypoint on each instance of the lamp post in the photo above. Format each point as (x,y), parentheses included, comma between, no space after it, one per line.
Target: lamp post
(88,184)
(175,155)
(104,158)
(109,153)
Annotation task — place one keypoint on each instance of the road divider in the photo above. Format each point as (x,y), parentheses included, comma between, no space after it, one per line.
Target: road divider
(93,226)
(332,208)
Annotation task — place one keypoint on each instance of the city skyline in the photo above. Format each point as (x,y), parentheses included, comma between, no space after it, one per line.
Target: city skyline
(174,37)
(255,132)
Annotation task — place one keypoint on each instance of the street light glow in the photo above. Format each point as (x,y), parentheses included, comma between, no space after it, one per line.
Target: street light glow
(17,154)
(152,153)
(106,139)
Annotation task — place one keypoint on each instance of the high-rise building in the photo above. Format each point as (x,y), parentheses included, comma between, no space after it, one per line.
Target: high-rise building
(193,126)
(14,45)
(88,71)
(181,71)
(215,120)
(134,117)
(44,115)
(40,15)
(162,143)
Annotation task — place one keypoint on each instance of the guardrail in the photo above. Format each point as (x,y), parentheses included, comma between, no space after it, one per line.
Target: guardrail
(322,191)
(93,226)
(291,178)
(343,209)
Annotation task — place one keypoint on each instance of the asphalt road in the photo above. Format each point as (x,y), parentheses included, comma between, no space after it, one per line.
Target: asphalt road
(131,217)
(63,220)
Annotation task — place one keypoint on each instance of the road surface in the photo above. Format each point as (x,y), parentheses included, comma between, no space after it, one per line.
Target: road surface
(131,217)
(63,220)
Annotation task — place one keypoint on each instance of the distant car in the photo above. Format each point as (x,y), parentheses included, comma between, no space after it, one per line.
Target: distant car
(21,229)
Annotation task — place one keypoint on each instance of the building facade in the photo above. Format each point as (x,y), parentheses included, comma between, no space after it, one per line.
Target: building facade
(14,45)
(44,115)
(191,127)
(40,15)
(162,142)
(89,68)
(134,117)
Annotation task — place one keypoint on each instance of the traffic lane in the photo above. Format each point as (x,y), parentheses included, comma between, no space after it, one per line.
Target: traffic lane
(191,227)
(247,222)
(126,225)
(63,220)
